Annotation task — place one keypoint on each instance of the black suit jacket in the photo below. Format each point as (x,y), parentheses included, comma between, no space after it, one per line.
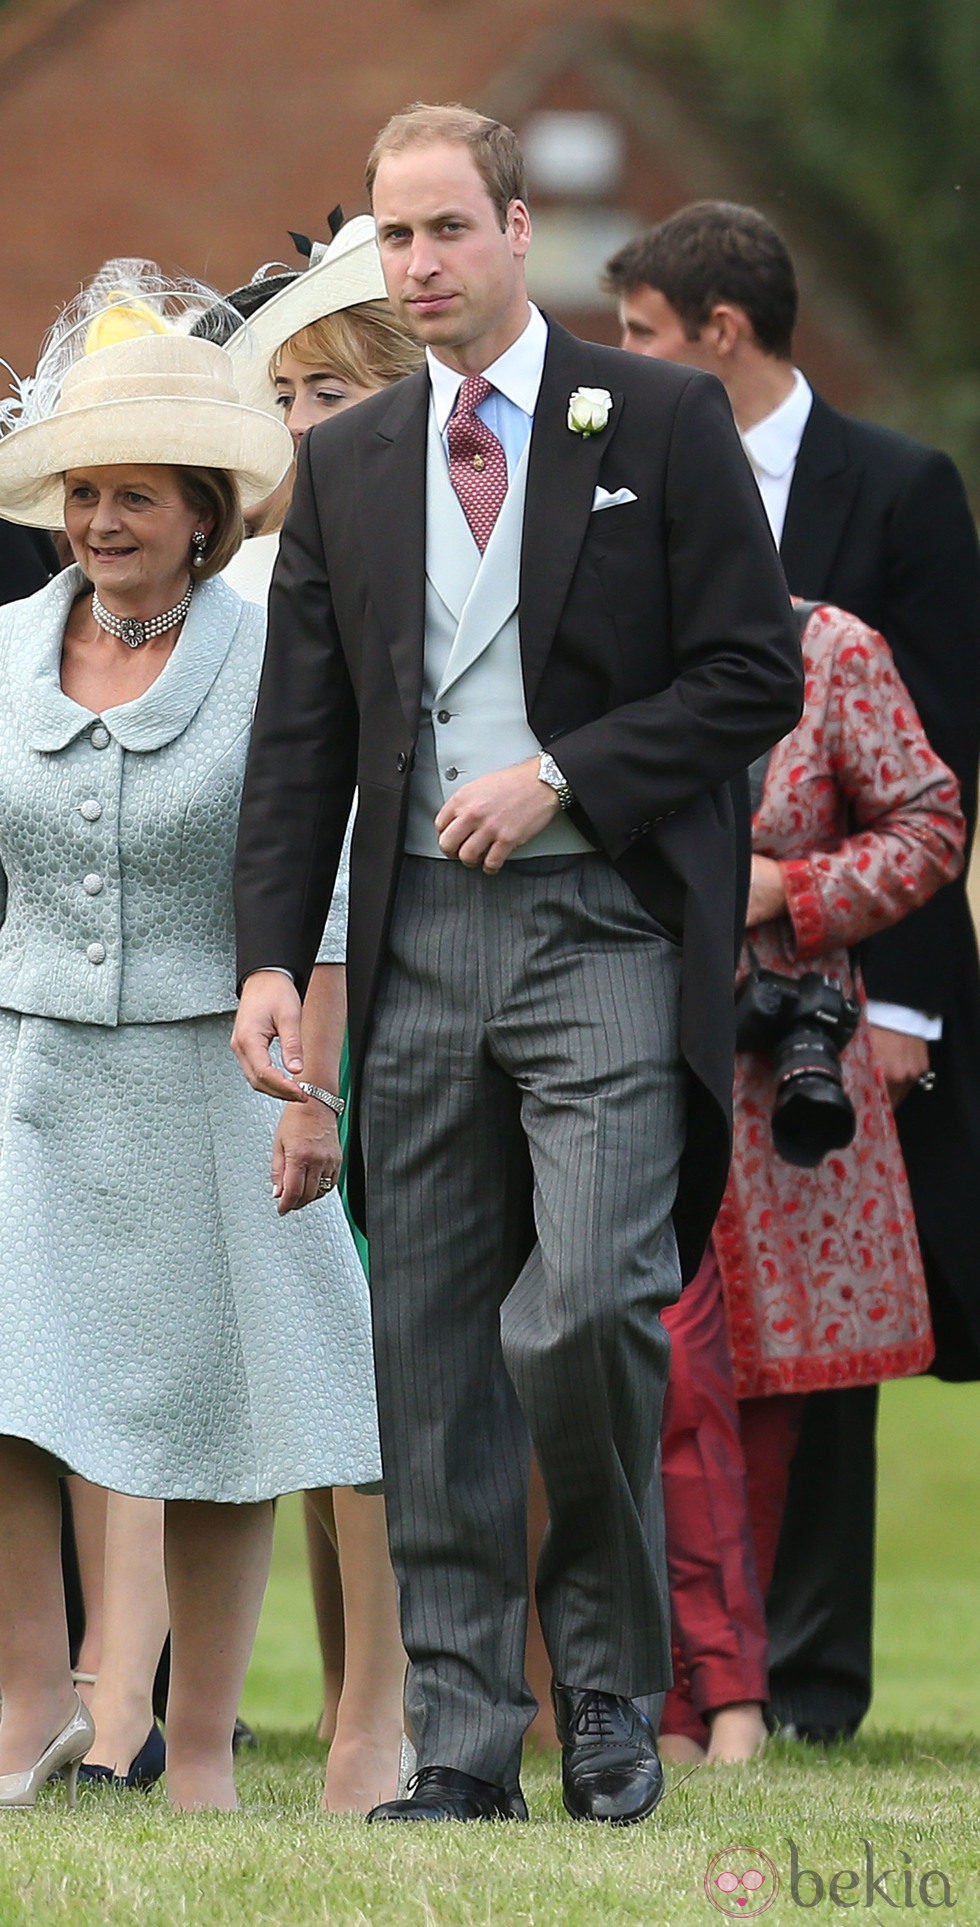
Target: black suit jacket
(28,559)
(659,658)
(880,525)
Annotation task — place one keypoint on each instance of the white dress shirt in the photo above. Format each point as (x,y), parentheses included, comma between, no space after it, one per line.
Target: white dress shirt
(772,447)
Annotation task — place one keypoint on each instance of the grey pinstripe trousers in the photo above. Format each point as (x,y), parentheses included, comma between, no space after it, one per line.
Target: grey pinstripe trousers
(523,1121)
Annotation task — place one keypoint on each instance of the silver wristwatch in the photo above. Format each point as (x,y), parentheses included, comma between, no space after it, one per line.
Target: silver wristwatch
(548,772)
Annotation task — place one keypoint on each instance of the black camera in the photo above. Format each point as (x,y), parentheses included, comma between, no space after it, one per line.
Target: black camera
(804,1024)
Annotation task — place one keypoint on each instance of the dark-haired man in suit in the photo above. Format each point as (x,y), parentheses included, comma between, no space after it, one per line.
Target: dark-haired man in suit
(527,601)
(879,524)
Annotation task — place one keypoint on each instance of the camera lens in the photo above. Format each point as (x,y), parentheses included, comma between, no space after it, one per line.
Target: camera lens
(812,1113)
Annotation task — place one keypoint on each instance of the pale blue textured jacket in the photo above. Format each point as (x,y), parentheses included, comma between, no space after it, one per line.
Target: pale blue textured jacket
(117,834)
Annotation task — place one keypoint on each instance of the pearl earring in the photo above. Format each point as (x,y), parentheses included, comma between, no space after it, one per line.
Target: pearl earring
(199,543)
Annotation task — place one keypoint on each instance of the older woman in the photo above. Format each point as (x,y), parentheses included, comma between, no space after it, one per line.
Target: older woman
(164,1334)
(813,1277)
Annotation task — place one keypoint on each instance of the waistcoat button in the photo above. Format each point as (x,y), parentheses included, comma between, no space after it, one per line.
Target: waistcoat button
(452,773)
(96,953)
(444,716)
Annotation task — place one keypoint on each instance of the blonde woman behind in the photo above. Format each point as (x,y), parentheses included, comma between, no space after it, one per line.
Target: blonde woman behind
(321,341)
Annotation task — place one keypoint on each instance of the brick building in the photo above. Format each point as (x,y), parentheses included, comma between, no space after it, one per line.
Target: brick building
(199,134)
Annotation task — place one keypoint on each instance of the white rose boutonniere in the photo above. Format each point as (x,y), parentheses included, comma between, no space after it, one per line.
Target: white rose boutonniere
(589,410)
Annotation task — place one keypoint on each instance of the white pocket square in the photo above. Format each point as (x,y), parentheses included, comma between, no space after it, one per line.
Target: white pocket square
(605,498)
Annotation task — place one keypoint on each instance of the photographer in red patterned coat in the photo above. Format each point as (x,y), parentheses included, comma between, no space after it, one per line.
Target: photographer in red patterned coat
(814,1264)
(879,524)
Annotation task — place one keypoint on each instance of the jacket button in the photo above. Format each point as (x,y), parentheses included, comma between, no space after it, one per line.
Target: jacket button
(100,737)
(92,885)
(452,773)
(444,716)
(96,953)
(401,762)
(90,809)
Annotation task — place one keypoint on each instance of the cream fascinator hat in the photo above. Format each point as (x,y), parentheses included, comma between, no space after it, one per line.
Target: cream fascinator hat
(342,273)
(121,379)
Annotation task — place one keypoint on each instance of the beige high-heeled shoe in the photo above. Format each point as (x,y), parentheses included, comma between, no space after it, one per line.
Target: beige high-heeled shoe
(64,1755)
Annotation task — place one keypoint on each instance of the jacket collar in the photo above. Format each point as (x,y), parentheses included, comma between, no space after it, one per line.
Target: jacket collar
(821,495)
(562,472)
(52,720)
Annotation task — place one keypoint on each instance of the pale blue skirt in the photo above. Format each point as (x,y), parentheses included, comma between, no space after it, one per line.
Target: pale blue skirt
(162,1330)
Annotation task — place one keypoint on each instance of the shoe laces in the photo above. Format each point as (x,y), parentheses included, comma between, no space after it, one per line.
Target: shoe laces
(597,1718)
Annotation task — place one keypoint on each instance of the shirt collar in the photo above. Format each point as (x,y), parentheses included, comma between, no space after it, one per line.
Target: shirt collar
(516,373)
(773,444)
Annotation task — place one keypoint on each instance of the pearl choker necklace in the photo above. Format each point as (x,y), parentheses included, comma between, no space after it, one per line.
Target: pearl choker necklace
(133,632)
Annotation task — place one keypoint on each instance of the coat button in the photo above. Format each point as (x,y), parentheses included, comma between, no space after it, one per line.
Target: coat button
(96,953)
(452,773)
(92,885)
(444,716)
(100,737)
(401,762)
(90,809)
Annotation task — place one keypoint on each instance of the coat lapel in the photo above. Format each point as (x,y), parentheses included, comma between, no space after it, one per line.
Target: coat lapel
(391,494)
(820,498)
(562,472)
(452,559)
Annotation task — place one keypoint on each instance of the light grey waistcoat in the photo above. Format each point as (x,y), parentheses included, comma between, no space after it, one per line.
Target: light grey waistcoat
(472,668)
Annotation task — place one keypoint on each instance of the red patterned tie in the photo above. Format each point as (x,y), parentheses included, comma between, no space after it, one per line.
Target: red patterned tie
(477,464)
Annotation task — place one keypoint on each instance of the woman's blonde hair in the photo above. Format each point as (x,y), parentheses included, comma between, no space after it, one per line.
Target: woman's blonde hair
(212,492)
(366,344)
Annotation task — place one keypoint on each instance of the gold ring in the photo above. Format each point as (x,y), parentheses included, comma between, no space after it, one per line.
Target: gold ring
(326,1184)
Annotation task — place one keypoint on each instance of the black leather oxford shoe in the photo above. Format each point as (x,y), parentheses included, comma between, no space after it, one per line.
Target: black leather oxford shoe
(610,1769)
(440,1793)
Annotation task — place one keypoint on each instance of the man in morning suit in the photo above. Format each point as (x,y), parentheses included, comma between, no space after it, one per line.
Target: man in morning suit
(528,603)
(879,524)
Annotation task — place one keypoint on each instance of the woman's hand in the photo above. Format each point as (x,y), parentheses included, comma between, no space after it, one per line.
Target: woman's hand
(306,1152)
(767,897)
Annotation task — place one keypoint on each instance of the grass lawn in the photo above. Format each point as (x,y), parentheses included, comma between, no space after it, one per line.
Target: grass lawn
(908,1788)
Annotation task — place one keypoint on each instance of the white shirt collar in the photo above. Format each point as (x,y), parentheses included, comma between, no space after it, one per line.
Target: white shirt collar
(516,373)
(774,443)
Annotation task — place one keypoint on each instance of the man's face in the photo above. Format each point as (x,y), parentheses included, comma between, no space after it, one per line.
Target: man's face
(650,326)
(453,274)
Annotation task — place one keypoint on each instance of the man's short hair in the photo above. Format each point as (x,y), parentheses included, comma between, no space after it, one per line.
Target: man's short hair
(709,252)
(495,148)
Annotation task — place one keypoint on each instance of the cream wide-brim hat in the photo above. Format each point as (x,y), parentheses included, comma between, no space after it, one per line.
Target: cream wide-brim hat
(165,399)
(343,275)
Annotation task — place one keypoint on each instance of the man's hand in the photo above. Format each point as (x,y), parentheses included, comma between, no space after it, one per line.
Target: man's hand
(901,1060)
(767,896)
(488,819)
(269,1008)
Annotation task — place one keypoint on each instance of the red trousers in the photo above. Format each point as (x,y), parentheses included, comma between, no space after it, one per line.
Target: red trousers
(725,1470)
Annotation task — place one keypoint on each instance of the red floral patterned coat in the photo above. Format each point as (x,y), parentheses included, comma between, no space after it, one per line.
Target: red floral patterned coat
(821,1269)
